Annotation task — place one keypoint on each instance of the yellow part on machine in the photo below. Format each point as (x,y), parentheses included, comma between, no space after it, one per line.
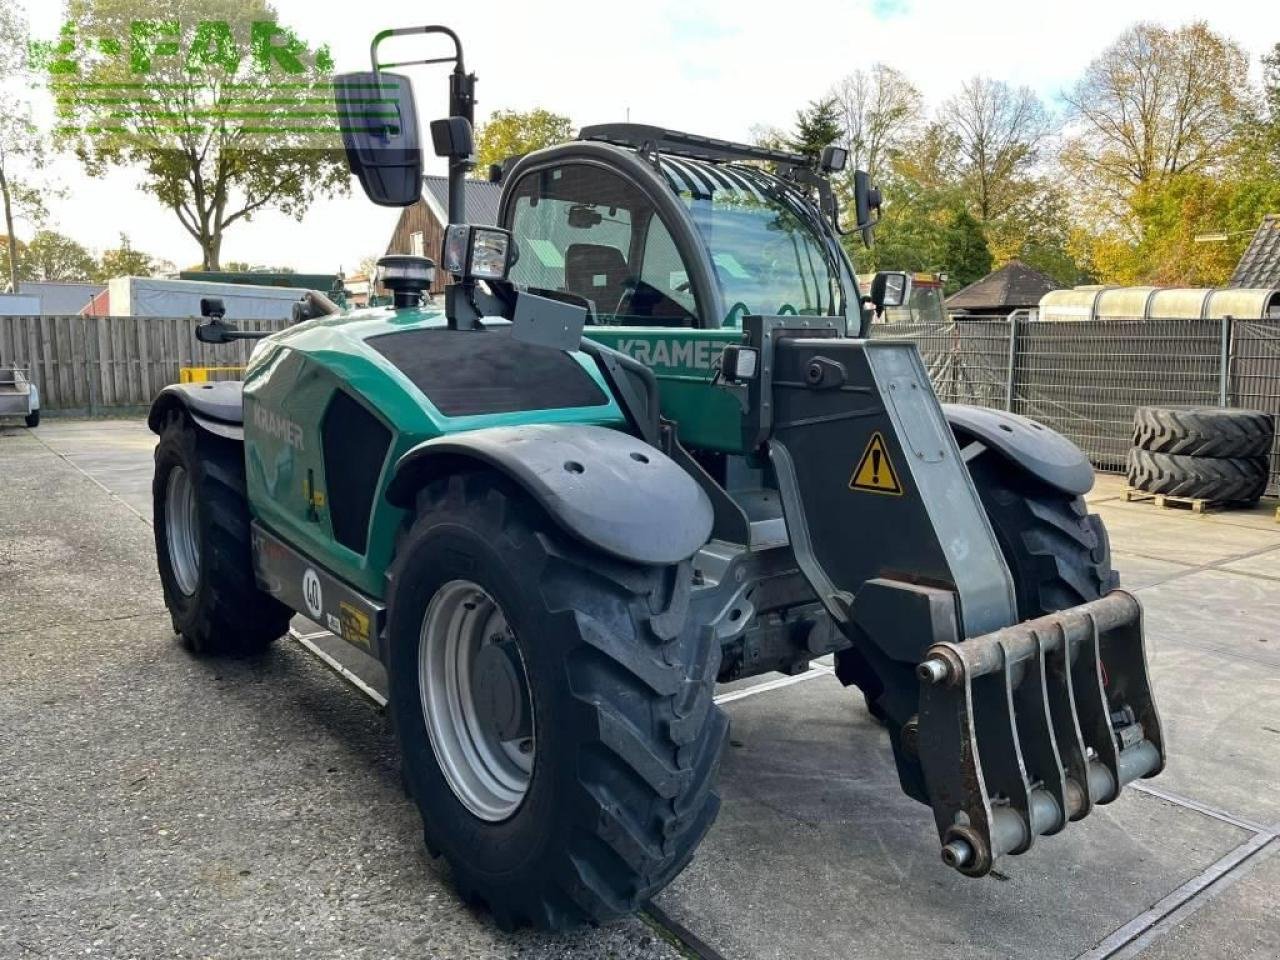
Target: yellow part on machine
(205,374)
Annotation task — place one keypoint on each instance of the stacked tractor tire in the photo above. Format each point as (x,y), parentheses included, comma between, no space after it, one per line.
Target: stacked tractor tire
(1201,453)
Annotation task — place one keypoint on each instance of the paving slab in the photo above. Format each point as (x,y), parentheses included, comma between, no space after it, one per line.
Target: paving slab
(1138,572)
(817,854)
(1222,724)
(1239,922)
(1235,615)
(1142,529)
(1261,565)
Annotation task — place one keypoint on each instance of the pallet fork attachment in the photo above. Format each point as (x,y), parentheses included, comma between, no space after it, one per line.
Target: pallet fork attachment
(1027,728)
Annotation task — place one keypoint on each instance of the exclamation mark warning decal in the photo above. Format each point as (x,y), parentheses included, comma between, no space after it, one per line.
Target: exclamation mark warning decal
(875,471)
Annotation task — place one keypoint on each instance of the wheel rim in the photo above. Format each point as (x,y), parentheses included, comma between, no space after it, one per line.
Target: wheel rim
(182,530)
(487,764)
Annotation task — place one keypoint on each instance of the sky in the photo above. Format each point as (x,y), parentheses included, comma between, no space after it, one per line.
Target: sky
(709,67)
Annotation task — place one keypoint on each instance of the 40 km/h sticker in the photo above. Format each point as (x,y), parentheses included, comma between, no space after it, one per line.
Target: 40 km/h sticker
(875,471)
(312,595)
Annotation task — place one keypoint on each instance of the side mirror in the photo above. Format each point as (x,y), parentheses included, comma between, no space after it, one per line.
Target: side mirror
(380,133)
(890,288)
(866,198)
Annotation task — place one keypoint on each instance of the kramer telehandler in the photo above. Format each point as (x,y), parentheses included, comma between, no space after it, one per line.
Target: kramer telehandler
(644,446)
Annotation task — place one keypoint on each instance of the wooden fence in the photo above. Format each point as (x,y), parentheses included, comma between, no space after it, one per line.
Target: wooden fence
(94,364)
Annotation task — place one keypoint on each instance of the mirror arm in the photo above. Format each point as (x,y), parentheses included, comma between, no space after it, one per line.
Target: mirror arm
(218,330)
(407,31)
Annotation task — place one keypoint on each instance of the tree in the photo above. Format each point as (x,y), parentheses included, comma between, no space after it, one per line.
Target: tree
(510,133)
(879,110)
(997,131)
(218,135)
(125,261)
(817,125)
(368,266)
(964,251)
(52,256)
(21,145)
(16,267)
(1155,104)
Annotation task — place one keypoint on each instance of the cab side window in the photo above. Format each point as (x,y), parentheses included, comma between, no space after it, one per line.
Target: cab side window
(584,230)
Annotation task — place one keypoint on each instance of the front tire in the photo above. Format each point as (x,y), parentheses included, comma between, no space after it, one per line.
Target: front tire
(32,419)
(624,737)
(203,550)
(1057,551)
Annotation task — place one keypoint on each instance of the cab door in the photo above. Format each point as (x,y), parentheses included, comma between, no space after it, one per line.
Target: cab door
(585,229)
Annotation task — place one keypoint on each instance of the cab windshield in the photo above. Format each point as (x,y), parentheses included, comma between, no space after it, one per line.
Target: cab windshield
(766,257)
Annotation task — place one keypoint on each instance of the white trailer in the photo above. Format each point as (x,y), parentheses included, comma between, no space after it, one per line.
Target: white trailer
(150,297)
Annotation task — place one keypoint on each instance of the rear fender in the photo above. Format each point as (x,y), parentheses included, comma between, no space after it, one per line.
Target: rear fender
(1042,452)
(216,408)
(603,487)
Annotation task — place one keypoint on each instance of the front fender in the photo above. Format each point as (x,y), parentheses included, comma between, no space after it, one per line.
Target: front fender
(216,407)
(1042,452)
(601,486)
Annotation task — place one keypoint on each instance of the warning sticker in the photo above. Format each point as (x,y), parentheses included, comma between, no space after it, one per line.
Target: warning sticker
(875,471)
(355,624)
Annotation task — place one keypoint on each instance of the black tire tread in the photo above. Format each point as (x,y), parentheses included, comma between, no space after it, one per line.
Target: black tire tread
(645,795)
(1057,551)
(1203,431)
(230,615)
(1225,479)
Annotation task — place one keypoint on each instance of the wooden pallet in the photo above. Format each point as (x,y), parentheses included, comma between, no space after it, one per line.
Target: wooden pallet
(1194,504)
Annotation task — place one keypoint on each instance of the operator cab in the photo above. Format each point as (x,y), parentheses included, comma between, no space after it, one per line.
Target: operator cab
(670,238)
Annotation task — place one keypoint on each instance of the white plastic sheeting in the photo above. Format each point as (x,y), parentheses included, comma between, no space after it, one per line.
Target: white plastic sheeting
(149,297)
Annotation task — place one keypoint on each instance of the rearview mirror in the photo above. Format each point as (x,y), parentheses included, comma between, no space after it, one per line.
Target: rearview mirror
(890,288)
(380,133)
(866,198)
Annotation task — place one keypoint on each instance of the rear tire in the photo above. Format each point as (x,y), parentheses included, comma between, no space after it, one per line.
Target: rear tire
(32,419)
(203,550)
(624,734)
(1230,479)
(1203,431)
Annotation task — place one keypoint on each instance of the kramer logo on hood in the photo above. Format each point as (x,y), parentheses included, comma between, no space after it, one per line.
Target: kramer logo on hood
(275,425)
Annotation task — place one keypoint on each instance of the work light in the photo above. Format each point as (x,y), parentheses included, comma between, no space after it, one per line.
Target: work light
(477,253)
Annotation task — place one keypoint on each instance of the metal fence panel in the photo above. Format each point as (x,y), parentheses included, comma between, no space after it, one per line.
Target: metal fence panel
(1255,375)
(1085,378)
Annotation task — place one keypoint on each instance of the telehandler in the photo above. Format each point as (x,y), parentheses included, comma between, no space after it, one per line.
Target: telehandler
(644,445)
